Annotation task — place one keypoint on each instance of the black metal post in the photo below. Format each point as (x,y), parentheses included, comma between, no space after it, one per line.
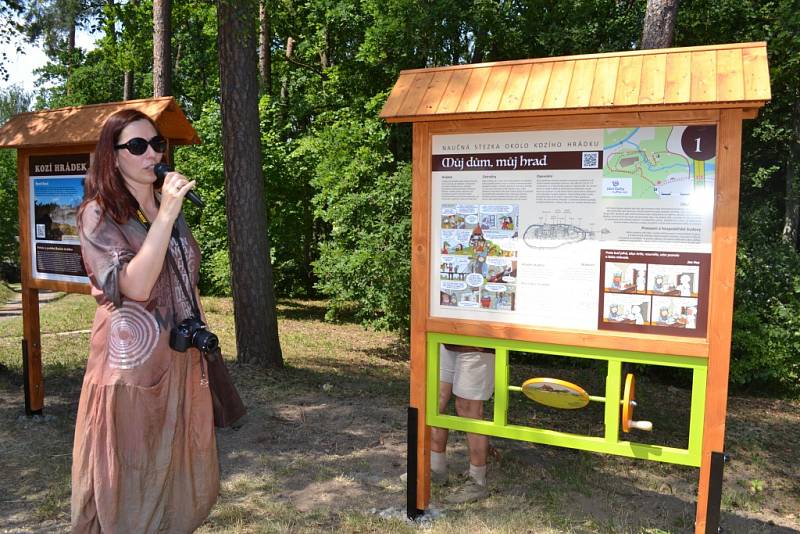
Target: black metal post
(718,460)
(411,469)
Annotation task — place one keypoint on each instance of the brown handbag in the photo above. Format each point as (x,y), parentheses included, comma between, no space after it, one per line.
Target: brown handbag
(228,406)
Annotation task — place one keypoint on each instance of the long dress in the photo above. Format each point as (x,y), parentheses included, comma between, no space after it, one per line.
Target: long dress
(145,454)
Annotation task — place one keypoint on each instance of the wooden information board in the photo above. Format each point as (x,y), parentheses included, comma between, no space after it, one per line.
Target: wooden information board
(583,206)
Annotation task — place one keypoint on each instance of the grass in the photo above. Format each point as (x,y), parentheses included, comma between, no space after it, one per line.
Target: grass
(325,443)
(5,292)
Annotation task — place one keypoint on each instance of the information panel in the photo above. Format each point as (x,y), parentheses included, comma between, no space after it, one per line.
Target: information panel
(602,229)
(56,192)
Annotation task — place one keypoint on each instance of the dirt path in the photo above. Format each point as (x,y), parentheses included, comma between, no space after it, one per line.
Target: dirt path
(13,306)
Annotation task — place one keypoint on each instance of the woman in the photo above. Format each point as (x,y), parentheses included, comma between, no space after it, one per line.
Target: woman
(145,455)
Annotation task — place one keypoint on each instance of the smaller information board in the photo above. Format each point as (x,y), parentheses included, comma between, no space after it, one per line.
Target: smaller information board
(56,192)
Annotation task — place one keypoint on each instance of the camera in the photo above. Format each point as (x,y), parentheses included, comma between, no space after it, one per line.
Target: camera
(192,332)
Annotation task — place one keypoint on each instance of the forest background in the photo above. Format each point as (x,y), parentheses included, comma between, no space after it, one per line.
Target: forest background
(338,179)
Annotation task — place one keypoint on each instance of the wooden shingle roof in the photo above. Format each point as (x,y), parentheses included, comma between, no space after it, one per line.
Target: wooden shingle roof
(730,75)
(81,125)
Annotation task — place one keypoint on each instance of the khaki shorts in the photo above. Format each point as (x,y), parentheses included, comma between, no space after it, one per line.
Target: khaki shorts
(471,373)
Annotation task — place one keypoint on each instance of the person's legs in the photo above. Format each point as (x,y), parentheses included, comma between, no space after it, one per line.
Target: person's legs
(439,474)
(473,385)
(439,435)
(478,444)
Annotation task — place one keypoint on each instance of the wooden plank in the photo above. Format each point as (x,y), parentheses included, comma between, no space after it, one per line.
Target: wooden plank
(420,289)
(398,95)
(579,338)
(455,88)
(605,82)
(415,93)
(704,76)
(473,91)
(677,50)
(495,87)
(78,125)
(649,78)
(654,74)
(630,73)
(678,86)
(537,86)
(756,74)
(34,386)
(557,89)
(619,111)
(60,285)
(433,95)
(570,120)
(730,75)
(723,274)
(580,87)
(515,87)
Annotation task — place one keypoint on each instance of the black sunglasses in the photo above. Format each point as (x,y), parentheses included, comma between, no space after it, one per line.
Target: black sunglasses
(138,146)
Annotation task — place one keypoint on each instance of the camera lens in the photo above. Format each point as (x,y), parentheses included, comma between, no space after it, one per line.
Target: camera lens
(205,341)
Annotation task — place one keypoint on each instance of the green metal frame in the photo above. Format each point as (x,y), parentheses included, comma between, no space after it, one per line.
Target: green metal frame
(610,442)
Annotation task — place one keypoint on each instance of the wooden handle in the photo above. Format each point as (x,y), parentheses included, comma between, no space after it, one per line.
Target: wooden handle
(641,425)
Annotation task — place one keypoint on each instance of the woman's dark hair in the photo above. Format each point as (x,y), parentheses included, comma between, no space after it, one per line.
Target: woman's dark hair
(104,183)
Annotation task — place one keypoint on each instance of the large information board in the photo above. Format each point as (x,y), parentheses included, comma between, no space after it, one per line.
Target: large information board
(590,229)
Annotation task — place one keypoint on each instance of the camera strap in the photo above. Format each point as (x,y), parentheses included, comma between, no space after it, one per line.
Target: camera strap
(190,296)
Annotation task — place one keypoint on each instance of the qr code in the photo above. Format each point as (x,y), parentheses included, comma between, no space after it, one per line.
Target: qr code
(590,160)
(40,231)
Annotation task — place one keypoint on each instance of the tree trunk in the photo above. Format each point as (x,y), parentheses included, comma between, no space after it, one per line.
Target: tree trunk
(162,51)
(265,48)
(284,97)
(127,87)
(251,271)
(325,53)
(791,218)
(70,54)
(659,24)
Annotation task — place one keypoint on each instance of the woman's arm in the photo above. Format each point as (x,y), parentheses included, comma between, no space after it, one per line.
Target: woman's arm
(137,277)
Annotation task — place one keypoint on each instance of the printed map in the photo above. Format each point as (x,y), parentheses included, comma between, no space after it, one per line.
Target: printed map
(651,163)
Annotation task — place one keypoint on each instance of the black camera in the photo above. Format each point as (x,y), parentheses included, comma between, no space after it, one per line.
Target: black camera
(192,332)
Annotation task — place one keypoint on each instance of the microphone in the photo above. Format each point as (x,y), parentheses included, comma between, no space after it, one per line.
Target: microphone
(161,170)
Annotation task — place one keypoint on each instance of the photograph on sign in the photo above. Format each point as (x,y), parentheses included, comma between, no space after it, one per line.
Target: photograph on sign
(525,225)
(56,192)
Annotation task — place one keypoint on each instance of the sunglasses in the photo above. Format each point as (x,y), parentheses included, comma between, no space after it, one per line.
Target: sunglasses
(138,146)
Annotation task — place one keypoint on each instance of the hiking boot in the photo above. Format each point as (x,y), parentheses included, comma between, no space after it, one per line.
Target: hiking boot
(440,479)
(470,491)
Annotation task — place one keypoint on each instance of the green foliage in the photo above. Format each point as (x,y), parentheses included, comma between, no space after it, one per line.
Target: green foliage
(204,163)
(766,322)
(9,228)
(365,199)
(12,101)
(288,194)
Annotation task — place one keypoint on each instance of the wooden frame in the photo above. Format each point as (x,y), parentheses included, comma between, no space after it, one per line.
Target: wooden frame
(459,100)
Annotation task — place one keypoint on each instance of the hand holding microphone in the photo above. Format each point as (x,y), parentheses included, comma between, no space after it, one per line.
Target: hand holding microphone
(161,171)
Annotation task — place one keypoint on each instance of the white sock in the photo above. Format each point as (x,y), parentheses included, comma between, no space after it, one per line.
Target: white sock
(439,462)
(478,474)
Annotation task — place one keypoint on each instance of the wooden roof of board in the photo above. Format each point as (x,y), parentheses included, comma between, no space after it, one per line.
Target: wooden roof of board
(729,75)
(81,125)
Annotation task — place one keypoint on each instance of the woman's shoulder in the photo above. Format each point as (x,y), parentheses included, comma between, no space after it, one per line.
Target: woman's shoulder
(93,218)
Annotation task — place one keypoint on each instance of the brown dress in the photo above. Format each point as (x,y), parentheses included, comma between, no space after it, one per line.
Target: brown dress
(145,455)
